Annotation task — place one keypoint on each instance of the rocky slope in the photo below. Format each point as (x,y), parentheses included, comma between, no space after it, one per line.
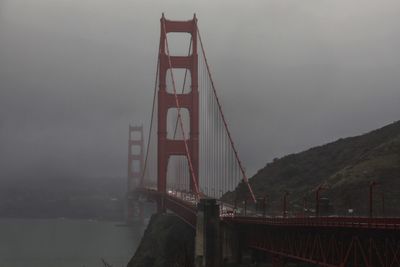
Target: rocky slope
(167,241)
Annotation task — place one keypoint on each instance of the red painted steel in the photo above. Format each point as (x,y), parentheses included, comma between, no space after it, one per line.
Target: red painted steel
(324,241)
(325,222)
(134,179)
(331,247)
(190,101)
(186,210)
(183,209)
(134,176)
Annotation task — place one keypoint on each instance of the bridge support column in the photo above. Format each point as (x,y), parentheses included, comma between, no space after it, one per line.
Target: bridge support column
(161,204)
(230,240)
(277,261)
(207,242)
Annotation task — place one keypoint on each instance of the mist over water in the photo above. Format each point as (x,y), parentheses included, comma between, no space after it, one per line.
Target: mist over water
(65,243)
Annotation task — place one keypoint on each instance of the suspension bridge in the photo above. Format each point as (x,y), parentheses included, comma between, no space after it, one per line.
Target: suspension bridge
(190,160)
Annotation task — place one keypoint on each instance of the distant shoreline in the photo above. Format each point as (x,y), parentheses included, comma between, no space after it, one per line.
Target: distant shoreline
(61,218)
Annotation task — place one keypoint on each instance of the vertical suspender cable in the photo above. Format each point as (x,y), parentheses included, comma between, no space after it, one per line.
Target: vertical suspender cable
(245,179)
(151,120)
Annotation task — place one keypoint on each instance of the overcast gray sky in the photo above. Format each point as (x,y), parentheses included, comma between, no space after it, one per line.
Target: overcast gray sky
(291,74)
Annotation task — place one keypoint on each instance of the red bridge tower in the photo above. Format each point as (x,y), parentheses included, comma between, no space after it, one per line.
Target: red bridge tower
(135,156)
(135,168)
(190,101)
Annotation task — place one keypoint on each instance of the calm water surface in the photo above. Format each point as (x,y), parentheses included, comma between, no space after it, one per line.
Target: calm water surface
(66,243)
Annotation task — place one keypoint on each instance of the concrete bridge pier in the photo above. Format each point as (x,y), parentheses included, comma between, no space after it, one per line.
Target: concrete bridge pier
(278,261)
(231,248)
(134,208)
(207,242)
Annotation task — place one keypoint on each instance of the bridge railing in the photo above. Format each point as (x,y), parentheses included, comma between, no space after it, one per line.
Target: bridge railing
(347,222)
(184,204)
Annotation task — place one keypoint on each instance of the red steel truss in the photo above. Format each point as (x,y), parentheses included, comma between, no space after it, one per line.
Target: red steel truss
(328,247)
(324,241)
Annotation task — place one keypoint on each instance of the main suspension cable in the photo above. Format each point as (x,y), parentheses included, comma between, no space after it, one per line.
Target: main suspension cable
(152,117)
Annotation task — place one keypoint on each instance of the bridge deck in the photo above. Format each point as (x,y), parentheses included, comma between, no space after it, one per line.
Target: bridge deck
(184,205)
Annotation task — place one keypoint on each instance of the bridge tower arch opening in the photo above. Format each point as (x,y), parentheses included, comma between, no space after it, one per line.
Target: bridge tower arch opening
(167,100)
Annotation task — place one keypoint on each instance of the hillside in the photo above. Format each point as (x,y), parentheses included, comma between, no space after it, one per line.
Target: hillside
(346,166)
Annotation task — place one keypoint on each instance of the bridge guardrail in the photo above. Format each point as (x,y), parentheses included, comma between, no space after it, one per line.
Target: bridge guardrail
(344,222)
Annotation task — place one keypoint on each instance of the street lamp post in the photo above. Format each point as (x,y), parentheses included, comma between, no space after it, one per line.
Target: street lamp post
(305,209)
(285,196)
(264,204)
(317,198)
(372,184)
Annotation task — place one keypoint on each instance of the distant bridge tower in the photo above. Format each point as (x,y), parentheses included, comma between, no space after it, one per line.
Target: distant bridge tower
(134,209)
(190,101)
(135,156)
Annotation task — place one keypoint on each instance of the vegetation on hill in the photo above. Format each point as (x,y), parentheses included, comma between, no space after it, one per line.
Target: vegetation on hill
(345,167)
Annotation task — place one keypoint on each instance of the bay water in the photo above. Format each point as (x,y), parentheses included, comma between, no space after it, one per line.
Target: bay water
(66,243)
